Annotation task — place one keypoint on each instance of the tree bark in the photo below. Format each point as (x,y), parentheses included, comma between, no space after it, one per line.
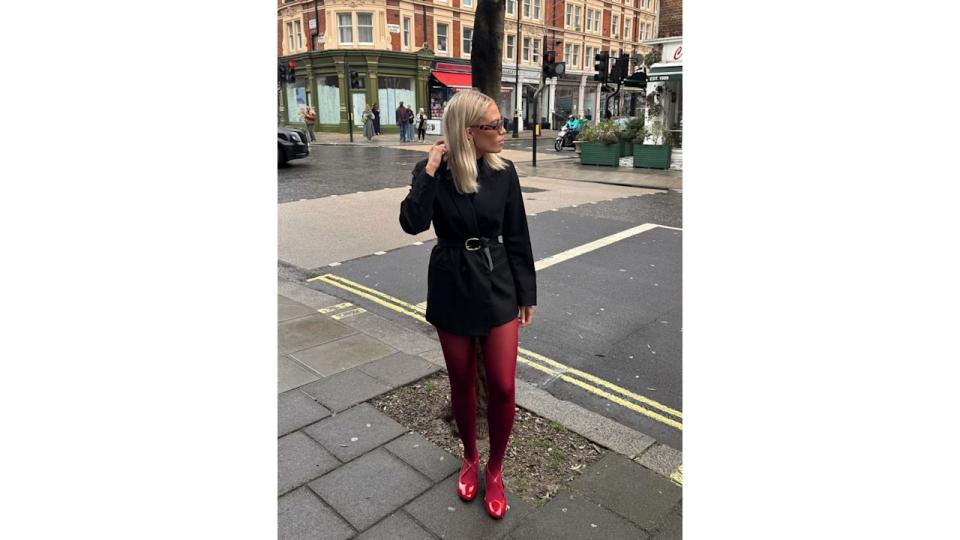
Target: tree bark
(486,53)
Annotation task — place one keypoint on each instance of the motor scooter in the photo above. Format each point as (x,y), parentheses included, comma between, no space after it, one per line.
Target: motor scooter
(565,138)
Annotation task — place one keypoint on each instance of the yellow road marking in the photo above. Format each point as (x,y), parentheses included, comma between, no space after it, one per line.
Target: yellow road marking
(329,309)
(677,475)
(350,313)
(558,370)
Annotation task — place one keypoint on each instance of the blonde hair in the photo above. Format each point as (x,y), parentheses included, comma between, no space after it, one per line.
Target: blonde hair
(463,110)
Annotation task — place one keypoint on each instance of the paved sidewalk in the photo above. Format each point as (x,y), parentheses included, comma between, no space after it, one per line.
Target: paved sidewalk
(393,139)
(348,471)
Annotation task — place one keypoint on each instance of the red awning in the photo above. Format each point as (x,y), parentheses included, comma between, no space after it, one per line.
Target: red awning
(454,80)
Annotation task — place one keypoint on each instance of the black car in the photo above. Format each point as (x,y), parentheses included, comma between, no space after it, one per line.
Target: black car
(291,144)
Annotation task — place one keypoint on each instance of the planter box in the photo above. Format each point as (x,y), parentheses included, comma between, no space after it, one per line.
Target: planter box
(626,148)
(652,156)
(600,154)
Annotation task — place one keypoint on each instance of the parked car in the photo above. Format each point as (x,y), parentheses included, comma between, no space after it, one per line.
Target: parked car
(291,144)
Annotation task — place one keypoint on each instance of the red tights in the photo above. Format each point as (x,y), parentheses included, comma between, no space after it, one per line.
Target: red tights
(500,361)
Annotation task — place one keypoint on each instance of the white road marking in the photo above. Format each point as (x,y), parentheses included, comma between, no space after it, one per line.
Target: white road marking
(596,244)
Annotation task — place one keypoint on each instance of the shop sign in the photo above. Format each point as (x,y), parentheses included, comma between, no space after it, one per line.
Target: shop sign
(393,28)
(313,24)
(433,127)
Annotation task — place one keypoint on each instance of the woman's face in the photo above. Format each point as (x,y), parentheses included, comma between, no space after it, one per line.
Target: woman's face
(488,132)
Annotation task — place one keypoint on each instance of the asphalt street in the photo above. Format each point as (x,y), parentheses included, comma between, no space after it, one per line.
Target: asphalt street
(613,314)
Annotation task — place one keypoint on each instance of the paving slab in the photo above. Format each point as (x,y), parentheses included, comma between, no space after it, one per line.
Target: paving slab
(397,526)
(290,374)
(444,514)
(672,528)
(399,369)
(291,309)
(296,410)
(301,459)
(629,489)
(392,334)
(571,516)
(345,389)
(303,516)
(355,431)
(370,487)
(342,354)
(435,356)
(424,456)
(310,331)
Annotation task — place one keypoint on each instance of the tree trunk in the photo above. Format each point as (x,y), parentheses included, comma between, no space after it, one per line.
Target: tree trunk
(486,53)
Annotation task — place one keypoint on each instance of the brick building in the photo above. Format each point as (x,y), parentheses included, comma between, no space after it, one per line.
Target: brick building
(418,52)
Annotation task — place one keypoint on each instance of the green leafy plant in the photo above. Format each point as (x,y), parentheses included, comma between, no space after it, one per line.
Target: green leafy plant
(632,129)
(607,132)
(640,136)
(588,133)
(658,131)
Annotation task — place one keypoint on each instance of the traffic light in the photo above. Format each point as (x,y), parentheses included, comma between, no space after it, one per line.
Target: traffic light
(621,68)
(602,66)
(552,68)
(354,80)
(637,80)
(291,72)
(281,74)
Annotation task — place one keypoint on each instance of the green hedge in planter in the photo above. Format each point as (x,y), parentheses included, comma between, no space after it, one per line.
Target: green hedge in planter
(652,156)
(600,154)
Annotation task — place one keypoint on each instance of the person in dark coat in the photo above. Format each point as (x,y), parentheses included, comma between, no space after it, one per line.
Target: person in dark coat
(376,118)
(479,290)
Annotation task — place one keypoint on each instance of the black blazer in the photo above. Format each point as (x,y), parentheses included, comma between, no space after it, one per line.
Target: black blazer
(464,296)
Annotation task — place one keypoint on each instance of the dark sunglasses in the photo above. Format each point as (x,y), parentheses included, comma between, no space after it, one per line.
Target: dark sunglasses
(490,127)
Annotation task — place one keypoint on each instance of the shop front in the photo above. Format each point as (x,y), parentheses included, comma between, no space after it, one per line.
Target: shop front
(446,79)
(665,86)
(384,78)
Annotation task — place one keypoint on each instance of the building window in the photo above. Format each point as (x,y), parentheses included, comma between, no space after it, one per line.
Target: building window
(596,23)
(566,53)
(345,26)
(510,7)
(576,17)
(406,32)
(576,55)
(510,44)
(536,51)
(467,40)
(536,9)
(615,26)
(569,16)
(298,31)
(526,9)
(441,37)
(628,28)
(467,3)
(589,18)
(290,37)
(587,57)
(365,28)
(526,49)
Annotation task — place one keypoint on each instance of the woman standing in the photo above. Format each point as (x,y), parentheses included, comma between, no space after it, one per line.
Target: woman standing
(421,123)
(479,290)
(367,118)
(376,118)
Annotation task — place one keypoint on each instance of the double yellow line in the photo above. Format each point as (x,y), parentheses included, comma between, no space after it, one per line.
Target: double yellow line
(591,383)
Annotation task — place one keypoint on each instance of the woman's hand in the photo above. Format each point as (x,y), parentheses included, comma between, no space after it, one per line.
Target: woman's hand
(438,152)
(526,316)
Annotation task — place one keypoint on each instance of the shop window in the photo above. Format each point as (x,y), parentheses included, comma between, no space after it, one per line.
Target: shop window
(390,92)
(296,101)
(365,28)
(345,28)
(328,100)
(467,40)
(441,37)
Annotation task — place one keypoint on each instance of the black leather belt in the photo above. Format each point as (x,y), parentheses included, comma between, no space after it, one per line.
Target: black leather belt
(472,244)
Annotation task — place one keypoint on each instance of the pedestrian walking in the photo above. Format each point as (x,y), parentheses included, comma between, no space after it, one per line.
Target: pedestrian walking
(479,291)
(367,117)
(402,121)
(421,122)
(376,118)
(309,117)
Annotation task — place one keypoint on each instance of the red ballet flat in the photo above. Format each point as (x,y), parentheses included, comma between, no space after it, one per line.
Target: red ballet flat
(468,480)
(494,496)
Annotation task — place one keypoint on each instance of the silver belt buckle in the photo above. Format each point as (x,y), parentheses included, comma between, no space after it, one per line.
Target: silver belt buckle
(467,244)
